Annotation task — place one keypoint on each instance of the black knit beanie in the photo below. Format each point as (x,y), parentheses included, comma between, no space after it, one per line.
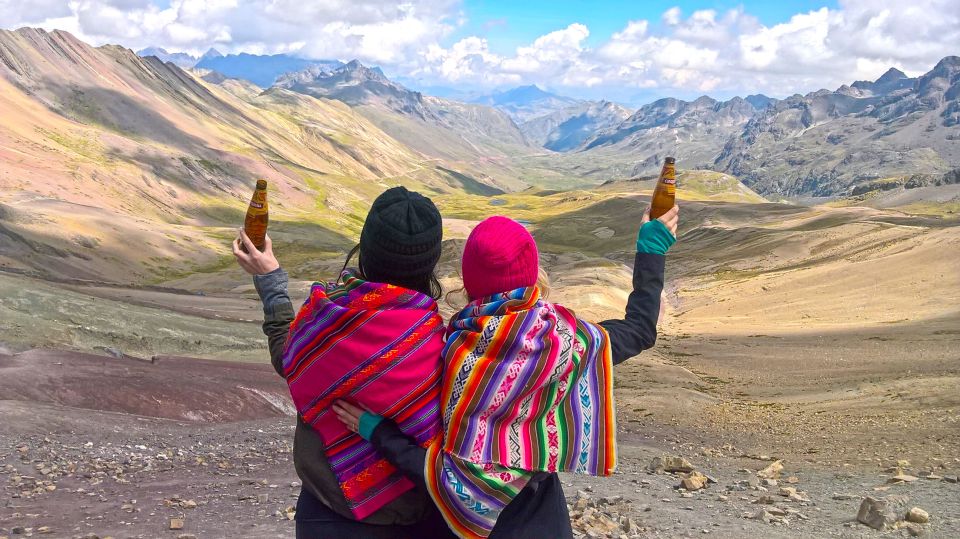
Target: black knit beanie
(400,241)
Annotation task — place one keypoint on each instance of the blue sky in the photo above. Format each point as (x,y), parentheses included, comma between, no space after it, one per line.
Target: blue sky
(512,23)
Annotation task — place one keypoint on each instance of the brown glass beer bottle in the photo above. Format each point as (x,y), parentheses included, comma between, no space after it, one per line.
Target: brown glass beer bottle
(665,193)
(255,224)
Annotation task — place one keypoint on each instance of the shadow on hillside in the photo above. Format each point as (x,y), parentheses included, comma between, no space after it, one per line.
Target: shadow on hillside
(740,233)
(469,184)
(119,113)
(622,214)
(201,172)
(304,233)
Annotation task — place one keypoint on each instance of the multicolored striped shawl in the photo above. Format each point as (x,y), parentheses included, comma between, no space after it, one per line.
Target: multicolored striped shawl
(373,344)
(526,388)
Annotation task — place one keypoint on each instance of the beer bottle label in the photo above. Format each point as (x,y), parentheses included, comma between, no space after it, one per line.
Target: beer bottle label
(258,202)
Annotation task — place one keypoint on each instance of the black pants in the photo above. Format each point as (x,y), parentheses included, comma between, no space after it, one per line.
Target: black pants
(317,521)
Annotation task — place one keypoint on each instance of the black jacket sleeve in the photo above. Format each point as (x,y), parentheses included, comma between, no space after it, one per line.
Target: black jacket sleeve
(637,331)
(277,313)
(400,450)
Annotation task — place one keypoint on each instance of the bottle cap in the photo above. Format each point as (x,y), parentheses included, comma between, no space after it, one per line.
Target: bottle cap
(261,184)
(670,160)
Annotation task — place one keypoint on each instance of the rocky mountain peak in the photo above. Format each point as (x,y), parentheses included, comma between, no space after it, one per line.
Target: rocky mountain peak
(211,53)
(949,64)
(759,101)
(892,80)
(892,74)
(704,101)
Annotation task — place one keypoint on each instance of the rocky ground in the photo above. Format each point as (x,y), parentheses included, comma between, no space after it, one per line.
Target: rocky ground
(97,470)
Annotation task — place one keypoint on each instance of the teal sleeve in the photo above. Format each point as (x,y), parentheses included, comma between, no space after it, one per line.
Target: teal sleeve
(368,422)
(654,238)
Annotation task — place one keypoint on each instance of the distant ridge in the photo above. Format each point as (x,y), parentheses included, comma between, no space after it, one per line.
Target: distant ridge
(262,70)
(526,102)
(181,59)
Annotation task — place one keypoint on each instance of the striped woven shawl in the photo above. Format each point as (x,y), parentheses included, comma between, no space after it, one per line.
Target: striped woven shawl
(373,344)
(526,388)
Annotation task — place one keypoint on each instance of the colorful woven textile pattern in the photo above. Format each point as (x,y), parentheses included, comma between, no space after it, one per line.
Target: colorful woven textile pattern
(375,345)
(526,388)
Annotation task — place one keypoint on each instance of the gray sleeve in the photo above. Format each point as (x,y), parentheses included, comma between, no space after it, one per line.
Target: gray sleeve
(277,312)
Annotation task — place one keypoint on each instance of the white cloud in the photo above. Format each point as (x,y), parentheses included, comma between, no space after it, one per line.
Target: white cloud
(681,53)
(725,53)
(376,31)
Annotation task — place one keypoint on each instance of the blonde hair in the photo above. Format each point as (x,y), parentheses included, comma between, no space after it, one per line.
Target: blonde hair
(543,282)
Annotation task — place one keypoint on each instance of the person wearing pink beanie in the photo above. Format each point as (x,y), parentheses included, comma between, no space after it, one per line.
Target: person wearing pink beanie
(499,255)
(527,388)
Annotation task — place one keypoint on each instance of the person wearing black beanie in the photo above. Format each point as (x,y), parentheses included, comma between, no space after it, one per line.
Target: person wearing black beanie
(400,241)
(399,245)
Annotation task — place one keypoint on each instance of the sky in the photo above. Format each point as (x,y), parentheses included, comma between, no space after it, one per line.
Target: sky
(627,50)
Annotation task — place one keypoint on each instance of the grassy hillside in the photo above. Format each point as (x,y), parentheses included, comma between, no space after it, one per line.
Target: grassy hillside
(119,167)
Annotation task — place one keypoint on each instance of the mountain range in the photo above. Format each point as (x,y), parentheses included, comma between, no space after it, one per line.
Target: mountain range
(824,143)
(114,165)
(368,126)
(262,70)
(525,103)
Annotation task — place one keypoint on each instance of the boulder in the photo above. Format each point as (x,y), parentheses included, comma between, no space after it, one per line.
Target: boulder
(875,513)
(670,465)
(902,478)
(918,516)
(694,481)
(772,471)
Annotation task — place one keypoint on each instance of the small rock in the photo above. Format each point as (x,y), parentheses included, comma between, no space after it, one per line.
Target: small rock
(186,536)
(18,530)
(915,530)
(762,515)
(670,465)
(176,523)
(772,471)
(793,480)
(787,492)
(694,481)
(188,504)
(918,516)
(44,529)
(902,478)
(875,513)
(604,233)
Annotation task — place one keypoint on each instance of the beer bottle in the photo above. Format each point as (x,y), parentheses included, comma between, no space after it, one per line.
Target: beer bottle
(255,224)
(665,193)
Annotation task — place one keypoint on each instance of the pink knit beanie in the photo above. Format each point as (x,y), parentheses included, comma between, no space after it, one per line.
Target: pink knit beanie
(499,256)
